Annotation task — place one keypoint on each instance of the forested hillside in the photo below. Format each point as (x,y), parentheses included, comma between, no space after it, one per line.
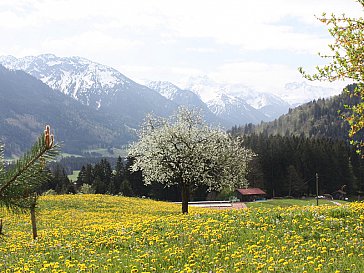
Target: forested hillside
(310,139)
(318,119)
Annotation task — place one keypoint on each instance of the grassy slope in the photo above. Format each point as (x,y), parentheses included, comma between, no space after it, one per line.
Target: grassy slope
(289,202)
(98,233)
(73,177)
(116,152)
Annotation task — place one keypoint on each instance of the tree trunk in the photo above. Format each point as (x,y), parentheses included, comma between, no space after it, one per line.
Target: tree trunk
(185,197)
(1,226)
(290,185)
(34,222)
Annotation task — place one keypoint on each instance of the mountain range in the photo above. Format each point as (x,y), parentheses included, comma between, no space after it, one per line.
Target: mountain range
(110,106)
(94,85)
(100,86)
(27,105)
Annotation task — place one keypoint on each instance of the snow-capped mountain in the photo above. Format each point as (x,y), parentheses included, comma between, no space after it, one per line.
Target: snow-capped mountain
(176,94)
(231,110)
(299,93)
(270,105)
(94,84)
(234,109)
(186,98)
(27,104)
(77,77)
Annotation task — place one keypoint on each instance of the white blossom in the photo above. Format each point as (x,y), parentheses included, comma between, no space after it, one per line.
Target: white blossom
(184,150)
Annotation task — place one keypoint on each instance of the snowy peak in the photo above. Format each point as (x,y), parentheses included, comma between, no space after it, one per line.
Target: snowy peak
(234,109)
(176,94)
(297,93)
(77,77)
(223,102)
(186,98)
(268,105)
(166,89)
(205,86)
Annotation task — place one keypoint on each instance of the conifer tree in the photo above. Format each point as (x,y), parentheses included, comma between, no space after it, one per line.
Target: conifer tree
(19,183)
(118,176)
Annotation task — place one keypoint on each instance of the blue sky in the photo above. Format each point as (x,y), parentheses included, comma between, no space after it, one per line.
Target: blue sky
(257,43)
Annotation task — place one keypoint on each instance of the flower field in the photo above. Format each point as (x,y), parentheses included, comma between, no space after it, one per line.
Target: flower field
(98,233)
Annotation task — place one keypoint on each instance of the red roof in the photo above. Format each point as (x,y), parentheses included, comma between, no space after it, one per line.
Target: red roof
(251,191)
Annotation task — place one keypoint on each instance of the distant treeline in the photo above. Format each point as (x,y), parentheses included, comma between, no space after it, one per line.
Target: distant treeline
(73,163)
(287,165)
(283,166)
(110,176)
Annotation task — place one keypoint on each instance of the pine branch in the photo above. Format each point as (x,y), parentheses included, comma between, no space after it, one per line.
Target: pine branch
(23,169)
(20,182)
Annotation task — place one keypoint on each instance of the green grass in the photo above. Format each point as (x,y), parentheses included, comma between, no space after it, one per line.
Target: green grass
(73,176)
(290,202)
(116,152)
(69,155)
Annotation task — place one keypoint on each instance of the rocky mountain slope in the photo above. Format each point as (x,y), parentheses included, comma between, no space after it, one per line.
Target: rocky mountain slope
(268,105)
(189,99)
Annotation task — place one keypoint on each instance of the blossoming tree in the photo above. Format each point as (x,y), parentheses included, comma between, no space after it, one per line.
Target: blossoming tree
(184,150)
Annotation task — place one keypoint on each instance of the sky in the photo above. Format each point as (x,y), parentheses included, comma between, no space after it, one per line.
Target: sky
(258,43)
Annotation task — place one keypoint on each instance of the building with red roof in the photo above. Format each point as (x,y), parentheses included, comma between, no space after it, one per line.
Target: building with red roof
(250,194)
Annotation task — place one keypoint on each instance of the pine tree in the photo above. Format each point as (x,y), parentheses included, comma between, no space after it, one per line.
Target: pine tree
(85,176)
(135,179)
(18,185)
(118,176)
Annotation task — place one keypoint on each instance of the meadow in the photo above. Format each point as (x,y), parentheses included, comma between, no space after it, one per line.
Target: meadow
(99,233)
(289,202)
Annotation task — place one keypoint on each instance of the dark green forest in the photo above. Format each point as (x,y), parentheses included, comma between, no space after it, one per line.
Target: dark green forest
(110,176)
(287,165)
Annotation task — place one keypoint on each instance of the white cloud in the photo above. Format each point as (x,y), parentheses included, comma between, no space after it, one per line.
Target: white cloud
(201,49)
(175,74)
(89,43)
(138,37)
(261,76)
